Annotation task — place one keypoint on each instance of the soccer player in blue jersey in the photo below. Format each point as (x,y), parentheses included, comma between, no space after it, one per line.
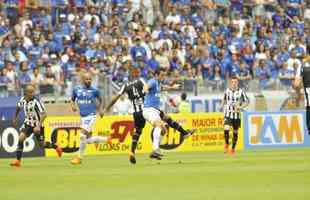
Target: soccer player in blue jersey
(87,99)
(157,118)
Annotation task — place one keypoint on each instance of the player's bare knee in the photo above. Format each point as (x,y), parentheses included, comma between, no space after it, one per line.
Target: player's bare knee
(83,136)
(22,137)
(86,133)
(226,127)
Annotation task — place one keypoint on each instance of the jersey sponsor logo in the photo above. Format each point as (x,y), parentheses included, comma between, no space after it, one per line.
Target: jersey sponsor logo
(85,101)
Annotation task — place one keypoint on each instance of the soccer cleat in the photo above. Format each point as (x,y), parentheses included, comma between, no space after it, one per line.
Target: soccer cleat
(58,151)
(226,146)
(156,155)
(15,163)
(232,152)
(189,133)
(76,161)
(132,158)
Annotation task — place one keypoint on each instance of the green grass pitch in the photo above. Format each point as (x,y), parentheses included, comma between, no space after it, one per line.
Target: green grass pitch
(260,175)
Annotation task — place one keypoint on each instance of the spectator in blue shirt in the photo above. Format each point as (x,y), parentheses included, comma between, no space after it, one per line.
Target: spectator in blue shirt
(138,49)
(207,66)
(153,63)
(24,77)
(263,74)
(294,7)
(286,76)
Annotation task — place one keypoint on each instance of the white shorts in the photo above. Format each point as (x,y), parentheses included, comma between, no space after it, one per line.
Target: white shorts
(88,122)
(151,114)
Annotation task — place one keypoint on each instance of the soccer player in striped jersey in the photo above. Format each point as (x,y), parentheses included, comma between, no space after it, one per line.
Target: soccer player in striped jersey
(135,93)
(235,99)
(34,116)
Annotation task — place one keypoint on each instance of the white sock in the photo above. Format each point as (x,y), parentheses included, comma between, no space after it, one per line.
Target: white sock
(83,144)
(94,139)
(156,138)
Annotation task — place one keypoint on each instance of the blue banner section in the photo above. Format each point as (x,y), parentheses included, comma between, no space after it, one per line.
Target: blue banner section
(275,129)
(212,104)
(8,107)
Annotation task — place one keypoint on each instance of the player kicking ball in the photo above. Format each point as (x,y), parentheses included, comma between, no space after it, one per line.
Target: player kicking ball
(157,118)
(34,116)
(235,99)
(87,99)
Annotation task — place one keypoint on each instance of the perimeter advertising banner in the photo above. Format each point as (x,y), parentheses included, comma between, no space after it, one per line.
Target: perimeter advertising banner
(275,129)
(208,137)
(9,140)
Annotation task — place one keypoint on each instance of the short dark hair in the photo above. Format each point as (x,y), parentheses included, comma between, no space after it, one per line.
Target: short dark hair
(157,71)
(234,77)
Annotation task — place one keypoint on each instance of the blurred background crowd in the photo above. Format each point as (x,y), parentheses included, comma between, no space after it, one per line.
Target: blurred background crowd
(200,43)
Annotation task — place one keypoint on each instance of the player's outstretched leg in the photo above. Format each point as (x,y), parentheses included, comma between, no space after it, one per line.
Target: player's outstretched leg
(84,141)
(19,152)
(47,145)
(58,149)
(175,125)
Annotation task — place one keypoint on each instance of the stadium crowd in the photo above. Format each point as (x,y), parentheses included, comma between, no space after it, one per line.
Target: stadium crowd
(50,42)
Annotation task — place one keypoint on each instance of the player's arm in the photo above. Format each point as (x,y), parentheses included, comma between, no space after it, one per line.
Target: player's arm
(114,99)
(73,102)
(245,100)
(15,117)
(223,102)
(39,107)
(112,102)
(297,82)
(146,88)
(170,87)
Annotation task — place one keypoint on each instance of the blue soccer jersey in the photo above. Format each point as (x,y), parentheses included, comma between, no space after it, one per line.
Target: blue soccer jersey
(152,98)
(86,100)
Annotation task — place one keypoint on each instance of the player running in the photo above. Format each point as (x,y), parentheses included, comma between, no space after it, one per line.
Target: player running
(33,123)
(235,99)
(157,118)
(134,91)
(86,98)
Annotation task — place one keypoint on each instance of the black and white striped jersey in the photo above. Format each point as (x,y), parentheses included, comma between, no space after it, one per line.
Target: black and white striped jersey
(32,110)
(134,90)
(233,98)
(304,73)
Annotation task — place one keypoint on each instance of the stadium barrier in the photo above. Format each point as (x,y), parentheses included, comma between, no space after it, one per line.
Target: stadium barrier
(9,141)
(208,136)
(266,101)
(275,129)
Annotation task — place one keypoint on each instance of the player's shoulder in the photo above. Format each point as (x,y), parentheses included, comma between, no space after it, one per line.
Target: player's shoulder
(36,99)
(241,89)
(21,99)
(142,80)
(77,88)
